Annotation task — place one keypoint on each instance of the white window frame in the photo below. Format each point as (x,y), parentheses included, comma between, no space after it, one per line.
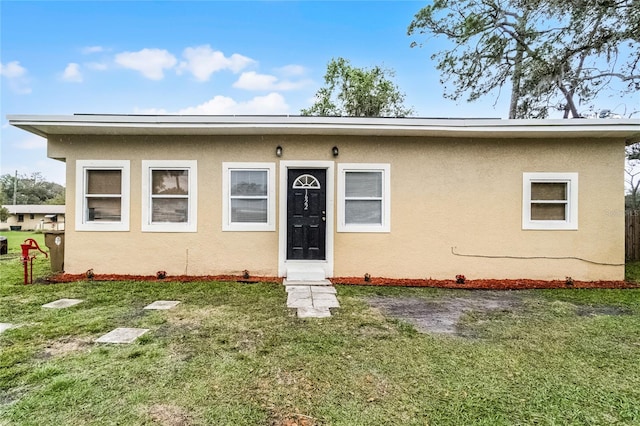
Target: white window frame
(385,170)
(191,225)
(227,224)
(82,222)
(571,213)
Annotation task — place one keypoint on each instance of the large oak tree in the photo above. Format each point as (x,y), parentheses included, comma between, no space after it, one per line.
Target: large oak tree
(552,53)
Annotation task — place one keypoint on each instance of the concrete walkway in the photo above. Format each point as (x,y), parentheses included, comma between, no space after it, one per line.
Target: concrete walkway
(312,299)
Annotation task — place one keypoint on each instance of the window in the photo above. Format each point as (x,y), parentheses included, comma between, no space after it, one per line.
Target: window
(364,198)
(32,216)
(170,200)
(102,195)
(550,201)
(248,197)
(20,218)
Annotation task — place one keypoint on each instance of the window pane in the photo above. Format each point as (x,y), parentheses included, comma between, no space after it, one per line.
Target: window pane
(548,211)
(548,191)
(170,182)
(363,184)
(104,181)
(252,211)
(249,182)
(363,212)
(101,209)
(173,210)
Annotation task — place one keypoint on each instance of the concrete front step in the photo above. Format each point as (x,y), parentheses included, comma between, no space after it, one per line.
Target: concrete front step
(305,273)
(289,282)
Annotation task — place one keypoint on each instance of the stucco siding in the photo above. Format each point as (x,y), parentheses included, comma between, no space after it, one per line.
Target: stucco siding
(447,194)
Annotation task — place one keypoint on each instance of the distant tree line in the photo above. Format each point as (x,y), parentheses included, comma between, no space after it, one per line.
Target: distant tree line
(30,189)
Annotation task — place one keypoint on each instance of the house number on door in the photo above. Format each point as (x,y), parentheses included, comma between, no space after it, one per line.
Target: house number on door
(306,182)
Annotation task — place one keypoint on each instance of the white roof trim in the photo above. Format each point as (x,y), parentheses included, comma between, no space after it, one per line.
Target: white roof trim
(54,209)
(47,125)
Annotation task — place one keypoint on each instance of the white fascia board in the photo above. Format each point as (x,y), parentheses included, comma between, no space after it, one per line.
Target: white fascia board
(261,125)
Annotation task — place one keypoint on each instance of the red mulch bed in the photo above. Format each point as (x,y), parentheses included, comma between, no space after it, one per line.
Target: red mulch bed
(519,284)
(69,278)
(493,284)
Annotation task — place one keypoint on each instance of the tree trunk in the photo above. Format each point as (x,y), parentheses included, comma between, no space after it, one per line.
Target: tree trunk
(515,84)
(571,106)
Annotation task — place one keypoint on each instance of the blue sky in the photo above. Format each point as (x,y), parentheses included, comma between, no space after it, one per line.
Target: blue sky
(202,57)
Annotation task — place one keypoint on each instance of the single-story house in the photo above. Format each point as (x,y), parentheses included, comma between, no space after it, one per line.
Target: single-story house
(307,197)
(30,217)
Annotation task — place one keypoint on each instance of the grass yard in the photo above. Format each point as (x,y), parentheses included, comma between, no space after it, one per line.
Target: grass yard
(233,354)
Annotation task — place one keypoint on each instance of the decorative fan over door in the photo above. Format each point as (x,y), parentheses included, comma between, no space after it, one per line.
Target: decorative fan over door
(306,214)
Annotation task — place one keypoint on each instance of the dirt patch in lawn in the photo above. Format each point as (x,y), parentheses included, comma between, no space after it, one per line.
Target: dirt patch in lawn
(66,345)
(443,314)
(169,415)
(593,311)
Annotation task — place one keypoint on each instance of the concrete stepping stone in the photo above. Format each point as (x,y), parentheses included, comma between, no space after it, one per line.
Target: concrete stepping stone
(62,303)
(323,290)
(122,335)
(298,288)
(162,304)
(299,300)
(325,301)
(4,326)
(312,299)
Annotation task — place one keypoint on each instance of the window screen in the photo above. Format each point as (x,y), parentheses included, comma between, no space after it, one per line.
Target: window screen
(363,197)
(103,195)
(248,194)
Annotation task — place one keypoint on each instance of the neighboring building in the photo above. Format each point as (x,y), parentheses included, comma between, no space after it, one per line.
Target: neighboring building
(30,217)
(321,196)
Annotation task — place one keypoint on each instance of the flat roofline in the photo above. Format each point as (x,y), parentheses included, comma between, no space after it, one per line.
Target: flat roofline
(114,124)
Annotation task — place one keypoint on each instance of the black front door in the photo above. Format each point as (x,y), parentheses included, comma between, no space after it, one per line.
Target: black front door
(306,214)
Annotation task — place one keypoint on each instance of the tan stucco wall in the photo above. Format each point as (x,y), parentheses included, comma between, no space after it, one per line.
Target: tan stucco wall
(445,193)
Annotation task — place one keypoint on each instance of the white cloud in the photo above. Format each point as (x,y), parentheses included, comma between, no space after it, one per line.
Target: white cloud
(202,61)
(219,105)
(273,103)
(92,49)
(292,70)
(72,73)
(16,75)
(253,81)
(12,70)
(151,63)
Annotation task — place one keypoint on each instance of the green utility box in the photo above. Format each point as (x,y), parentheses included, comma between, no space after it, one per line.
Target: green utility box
(54,240)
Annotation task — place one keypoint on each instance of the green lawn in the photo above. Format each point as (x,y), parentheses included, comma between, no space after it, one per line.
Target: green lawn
(233,354)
